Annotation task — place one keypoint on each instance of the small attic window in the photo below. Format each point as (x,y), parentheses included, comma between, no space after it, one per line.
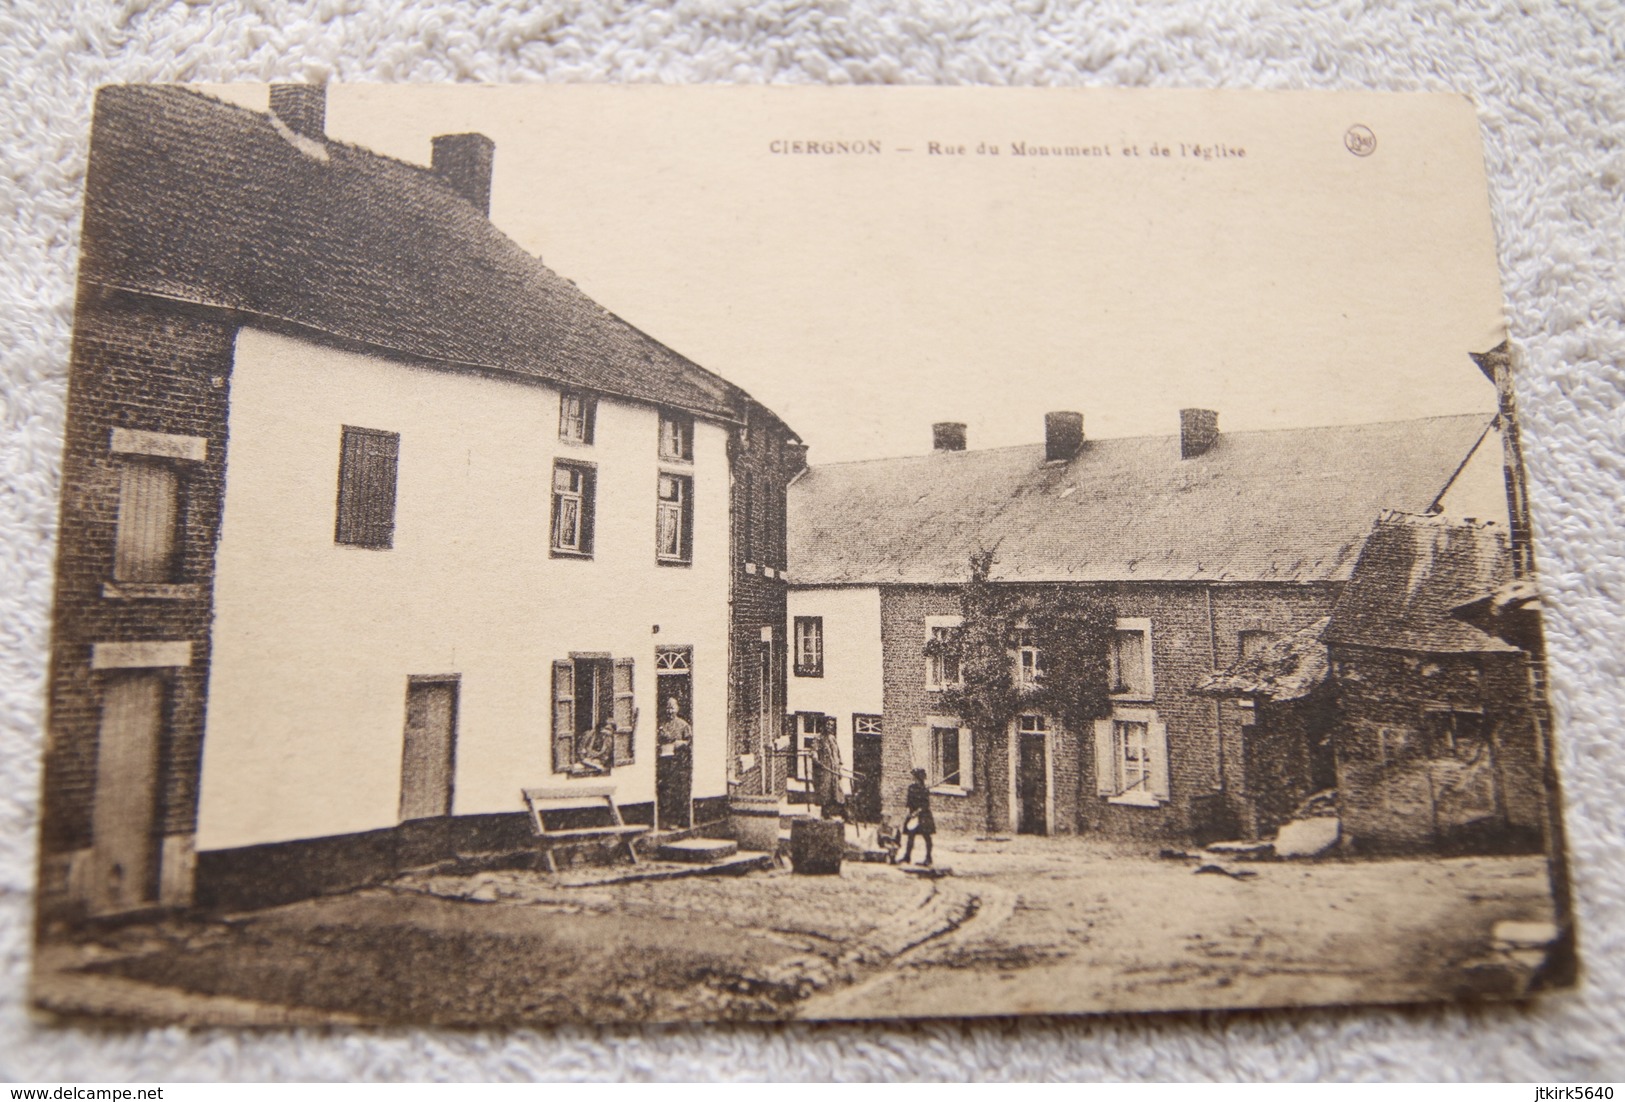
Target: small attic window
(676,436)
(577,412)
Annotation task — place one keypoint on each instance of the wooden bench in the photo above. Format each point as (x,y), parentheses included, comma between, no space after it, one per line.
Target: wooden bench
(600,798)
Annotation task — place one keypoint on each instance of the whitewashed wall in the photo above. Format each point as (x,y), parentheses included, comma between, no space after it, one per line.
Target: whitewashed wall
(852,681)
(314,642)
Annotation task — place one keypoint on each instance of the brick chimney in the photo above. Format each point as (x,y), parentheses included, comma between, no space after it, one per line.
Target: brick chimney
(1198,432)
(948,436)
(302,108)
(463,162)
(1063,436)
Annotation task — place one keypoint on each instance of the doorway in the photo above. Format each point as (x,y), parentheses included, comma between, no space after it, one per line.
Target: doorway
(124,818)
(1032,775)
(674,764)
(866,761)
(429,747)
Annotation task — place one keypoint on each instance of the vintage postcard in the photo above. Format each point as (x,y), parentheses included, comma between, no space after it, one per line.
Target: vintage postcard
(627,553)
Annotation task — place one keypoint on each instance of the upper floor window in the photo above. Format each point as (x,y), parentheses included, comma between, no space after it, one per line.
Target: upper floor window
(368,459)
(809,643)
(1029,661)
(573,486)
(674,519)
(148,542)
(676,436)
(576,415)
(1131,659)
(942,652)
(147,545)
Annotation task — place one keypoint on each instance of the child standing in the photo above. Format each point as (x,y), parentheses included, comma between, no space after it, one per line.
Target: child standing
(919,821)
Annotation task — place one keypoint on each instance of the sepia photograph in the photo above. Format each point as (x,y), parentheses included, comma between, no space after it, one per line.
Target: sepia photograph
(537,554)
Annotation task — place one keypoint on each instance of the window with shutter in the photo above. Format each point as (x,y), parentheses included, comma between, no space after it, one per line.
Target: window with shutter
(146,546)
(368,461)
(1131,758)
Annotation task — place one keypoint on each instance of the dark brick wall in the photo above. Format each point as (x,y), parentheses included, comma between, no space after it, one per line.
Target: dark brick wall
(1391,808)
(762,463)
(147,366)
(1207,757)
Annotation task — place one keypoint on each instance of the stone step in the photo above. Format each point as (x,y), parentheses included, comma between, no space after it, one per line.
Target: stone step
(698,851)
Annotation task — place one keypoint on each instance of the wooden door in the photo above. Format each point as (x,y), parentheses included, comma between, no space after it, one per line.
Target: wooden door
(1032,783)
(866,770)
(124,820)
(429,750)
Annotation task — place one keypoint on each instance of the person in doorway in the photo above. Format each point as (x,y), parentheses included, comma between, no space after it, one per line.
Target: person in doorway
(919,822)
(597,751)
(827,774)
(674,773)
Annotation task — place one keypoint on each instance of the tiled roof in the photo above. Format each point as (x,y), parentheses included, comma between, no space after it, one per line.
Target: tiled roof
(1289,505)
(1413,572)
(193,199)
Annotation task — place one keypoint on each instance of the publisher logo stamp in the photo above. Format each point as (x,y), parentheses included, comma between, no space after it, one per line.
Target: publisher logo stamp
(1360,141)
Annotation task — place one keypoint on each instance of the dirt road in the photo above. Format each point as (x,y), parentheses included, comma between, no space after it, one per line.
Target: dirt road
(1022,925)
(1081,927)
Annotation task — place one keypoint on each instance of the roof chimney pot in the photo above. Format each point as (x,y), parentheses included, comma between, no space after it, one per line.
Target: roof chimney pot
(463,163)
(1063,436)
(1198,432)
(302,108)
(948,436)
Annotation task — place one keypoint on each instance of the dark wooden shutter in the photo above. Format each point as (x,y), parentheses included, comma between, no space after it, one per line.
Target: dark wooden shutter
(589,488)
(687,550)
(148,515)
(564,714)
(368,464)
(626,714)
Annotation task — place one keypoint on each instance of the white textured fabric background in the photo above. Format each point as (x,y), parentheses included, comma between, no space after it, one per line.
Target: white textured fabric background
(1550,84)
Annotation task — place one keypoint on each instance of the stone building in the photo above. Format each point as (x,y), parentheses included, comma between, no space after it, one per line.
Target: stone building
(1436,734)
(1206,546)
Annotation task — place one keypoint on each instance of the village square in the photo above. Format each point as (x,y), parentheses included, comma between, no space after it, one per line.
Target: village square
(432,644)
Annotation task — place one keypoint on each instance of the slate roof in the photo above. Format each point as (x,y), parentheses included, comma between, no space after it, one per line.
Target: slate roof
(1288,668)
(193,199)
(1413,572)
(1286,505)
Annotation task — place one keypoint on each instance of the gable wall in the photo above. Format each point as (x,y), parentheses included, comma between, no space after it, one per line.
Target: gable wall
(156,369)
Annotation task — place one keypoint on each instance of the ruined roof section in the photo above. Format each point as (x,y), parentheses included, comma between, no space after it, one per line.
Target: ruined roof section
(193,199)
(1412,573)
(1289,668)
(1286,505)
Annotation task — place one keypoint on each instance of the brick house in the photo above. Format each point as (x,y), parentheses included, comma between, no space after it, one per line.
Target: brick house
(1206,546)
(1437,735)
(366,515)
